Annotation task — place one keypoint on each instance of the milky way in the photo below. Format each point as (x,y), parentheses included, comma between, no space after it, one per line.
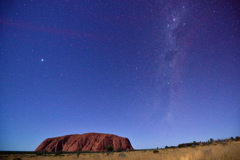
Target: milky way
(172,58)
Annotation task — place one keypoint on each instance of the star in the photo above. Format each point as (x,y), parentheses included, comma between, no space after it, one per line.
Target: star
(42,60)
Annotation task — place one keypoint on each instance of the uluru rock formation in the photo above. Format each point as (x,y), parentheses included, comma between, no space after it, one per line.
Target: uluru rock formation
(87,142)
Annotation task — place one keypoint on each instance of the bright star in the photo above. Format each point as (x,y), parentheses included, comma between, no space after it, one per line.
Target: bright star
(42,60)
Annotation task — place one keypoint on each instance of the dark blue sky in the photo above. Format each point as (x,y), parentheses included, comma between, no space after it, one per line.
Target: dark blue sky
(158,72)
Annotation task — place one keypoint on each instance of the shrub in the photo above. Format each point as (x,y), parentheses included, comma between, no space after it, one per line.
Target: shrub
(155,151)
(119,149)
(45,152)
(109,148)
(58,153)
(109,153)
(39,153)
(122,155)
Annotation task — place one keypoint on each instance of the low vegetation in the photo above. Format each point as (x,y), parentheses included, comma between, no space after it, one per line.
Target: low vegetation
(155,151)
(58,153)
(119,149)
(109,148)
(227,149)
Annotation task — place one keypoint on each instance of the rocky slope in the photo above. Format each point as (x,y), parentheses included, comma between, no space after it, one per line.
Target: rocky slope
(87,142)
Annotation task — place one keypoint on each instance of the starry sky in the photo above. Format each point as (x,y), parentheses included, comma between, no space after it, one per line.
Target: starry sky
(160,72)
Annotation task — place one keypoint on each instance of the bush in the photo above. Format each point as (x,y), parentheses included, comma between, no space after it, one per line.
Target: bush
(109,153)
(109,148)
(45,153)
(119,149)
(58,153)
(39,153)
(122,155)
(155,151)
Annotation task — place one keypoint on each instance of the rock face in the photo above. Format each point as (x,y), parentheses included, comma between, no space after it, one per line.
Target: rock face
(87,142)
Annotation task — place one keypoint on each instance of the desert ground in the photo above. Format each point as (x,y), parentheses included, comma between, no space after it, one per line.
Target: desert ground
(219,151)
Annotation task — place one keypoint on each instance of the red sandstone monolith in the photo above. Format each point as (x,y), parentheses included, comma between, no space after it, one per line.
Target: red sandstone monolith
(87,142)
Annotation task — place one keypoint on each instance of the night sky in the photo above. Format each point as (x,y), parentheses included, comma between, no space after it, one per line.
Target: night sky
(159,72)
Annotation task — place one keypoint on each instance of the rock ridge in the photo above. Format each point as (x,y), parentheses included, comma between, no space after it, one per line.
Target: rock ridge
(87,141)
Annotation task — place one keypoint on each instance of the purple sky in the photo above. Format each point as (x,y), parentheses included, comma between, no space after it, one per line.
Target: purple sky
(158,72)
